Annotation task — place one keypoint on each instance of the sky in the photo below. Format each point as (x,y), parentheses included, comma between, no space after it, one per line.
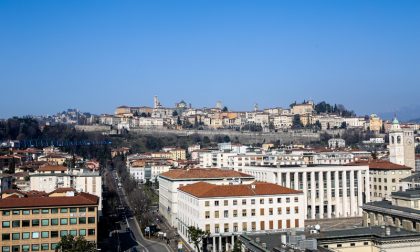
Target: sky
(97,55)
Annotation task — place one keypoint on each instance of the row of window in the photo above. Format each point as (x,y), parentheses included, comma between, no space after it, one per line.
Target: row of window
(47,211)
(244,201)
(385,180)
(47,222)
(44,234)
(253,212)
(264,225)
(33,247)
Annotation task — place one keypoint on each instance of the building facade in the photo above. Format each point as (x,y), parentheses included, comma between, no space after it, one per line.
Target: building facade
(401,145)
(228,210)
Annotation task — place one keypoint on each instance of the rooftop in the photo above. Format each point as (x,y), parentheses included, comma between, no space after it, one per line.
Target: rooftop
(207,190)
(210,173)
(409,193)
(52,168)
(41,200)
(380,165)
(387,206)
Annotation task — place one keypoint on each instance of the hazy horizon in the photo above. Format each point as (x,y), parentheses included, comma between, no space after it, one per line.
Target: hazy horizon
(97,55)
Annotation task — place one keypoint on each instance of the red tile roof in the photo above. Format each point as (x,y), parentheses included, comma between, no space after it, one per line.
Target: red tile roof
(207,190)
(380,165)
(43,201)
(210,173)
(52,168)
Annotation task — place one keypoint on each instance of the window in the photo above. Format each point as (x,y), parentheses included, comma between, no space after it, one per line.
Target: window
(91,220)
(35,222)
(91,209)
(26,235)
(64,221)
(216,228)
(365,243)
(26,223)
(26,212)
(35,235)
(216,214)
(296,223)
(82,209)
(45,211)
(73,233)
(5,224)
(207,203)
(216,203)
(206,214)
(16,236)
(207,227)
(226,203)
(35,247)
(262,211)
(296,199)
(279,210)
(270,211)
(64,210)
(73,221)
(54,234)
(16,212)
(5,237)
(296,210)
(63,233)
(235,213)
(278,200)
(270,200)
(287,200)
(45,234)
(235,202)
(54,222)
(45,222)
(339,245)
(261,201)
(5,249)
(82,232)
(73,210)
(6,213)
(226,227)
(243,212)
(253,226)
(16,223)
(244,226)
(91,231)
(252,201)
(252,212)
(45,246)
(54,246)
(244,202)
(25,248)
(352,244)
(287,210)
(226,214)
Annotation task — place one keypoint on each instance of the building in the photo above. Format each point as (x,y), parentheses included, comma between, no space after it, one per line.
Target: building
(418,163)
(410,182)
(385,178)
(401,145)
(331,191)
(403,211)
(375,123)
(335,143)
(148,170)
(228,210)
(35,222)
(170,181)
(51,177)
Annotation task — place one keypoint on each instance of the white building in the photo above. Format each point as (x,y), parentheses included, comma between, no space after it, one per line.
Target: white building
(334,143)
(170,181)
(49,178)
(149,171)
(228,210)
(331,191)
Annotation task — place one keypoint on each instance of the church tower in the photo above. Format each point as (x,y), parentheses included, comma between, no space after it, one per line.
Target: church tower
(401,145)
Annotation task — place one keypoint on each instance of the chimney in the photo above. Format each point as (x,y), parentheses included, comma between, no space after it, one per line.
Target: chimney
(388,231)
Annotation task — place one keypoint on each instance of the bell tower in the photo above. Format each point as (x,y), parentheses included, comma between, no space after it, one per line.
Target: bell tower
(396,143)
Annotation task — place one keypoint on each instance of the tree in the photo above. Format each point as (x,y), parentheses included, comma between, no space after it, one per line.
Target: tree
(225,109)
(297,123)
(343,125)
(318,124)
(174,113)
(196,235)
(237,246)
(70,243)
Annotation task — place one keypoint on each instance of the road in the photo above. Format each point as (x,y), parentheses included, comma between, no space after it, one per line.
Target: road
(143,245)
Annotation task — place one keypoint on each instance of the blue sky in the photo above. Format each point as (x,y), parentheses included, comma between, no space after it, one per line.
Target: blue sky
(96,55)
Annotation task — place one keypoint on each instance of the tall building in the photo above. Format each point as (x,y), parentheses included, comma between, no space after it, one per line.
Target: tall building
(401,145)
(37,221)
(228,210)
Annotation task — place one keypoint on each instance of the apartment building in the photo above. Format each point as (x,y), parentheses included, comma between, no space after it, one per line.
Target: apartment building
(148,170)
(36,222)
(384,178)
(331,191)
(170,181)
(228,210)
(51,177)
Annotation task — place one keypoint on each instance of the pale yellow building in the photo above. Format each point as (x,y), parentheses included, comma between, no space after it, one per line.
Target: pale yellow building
(375,123)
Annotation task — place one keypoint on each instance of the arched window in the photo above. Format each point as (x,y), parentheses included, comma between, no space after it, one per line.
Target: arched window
(398,139)
(392,140)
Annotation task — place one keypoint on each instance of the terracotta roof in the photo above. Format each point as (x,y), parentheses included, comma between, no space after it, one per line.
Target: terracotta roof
(52,168)
(210,173)
(63,190)
(44,201)
(207,190)
(380,165)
